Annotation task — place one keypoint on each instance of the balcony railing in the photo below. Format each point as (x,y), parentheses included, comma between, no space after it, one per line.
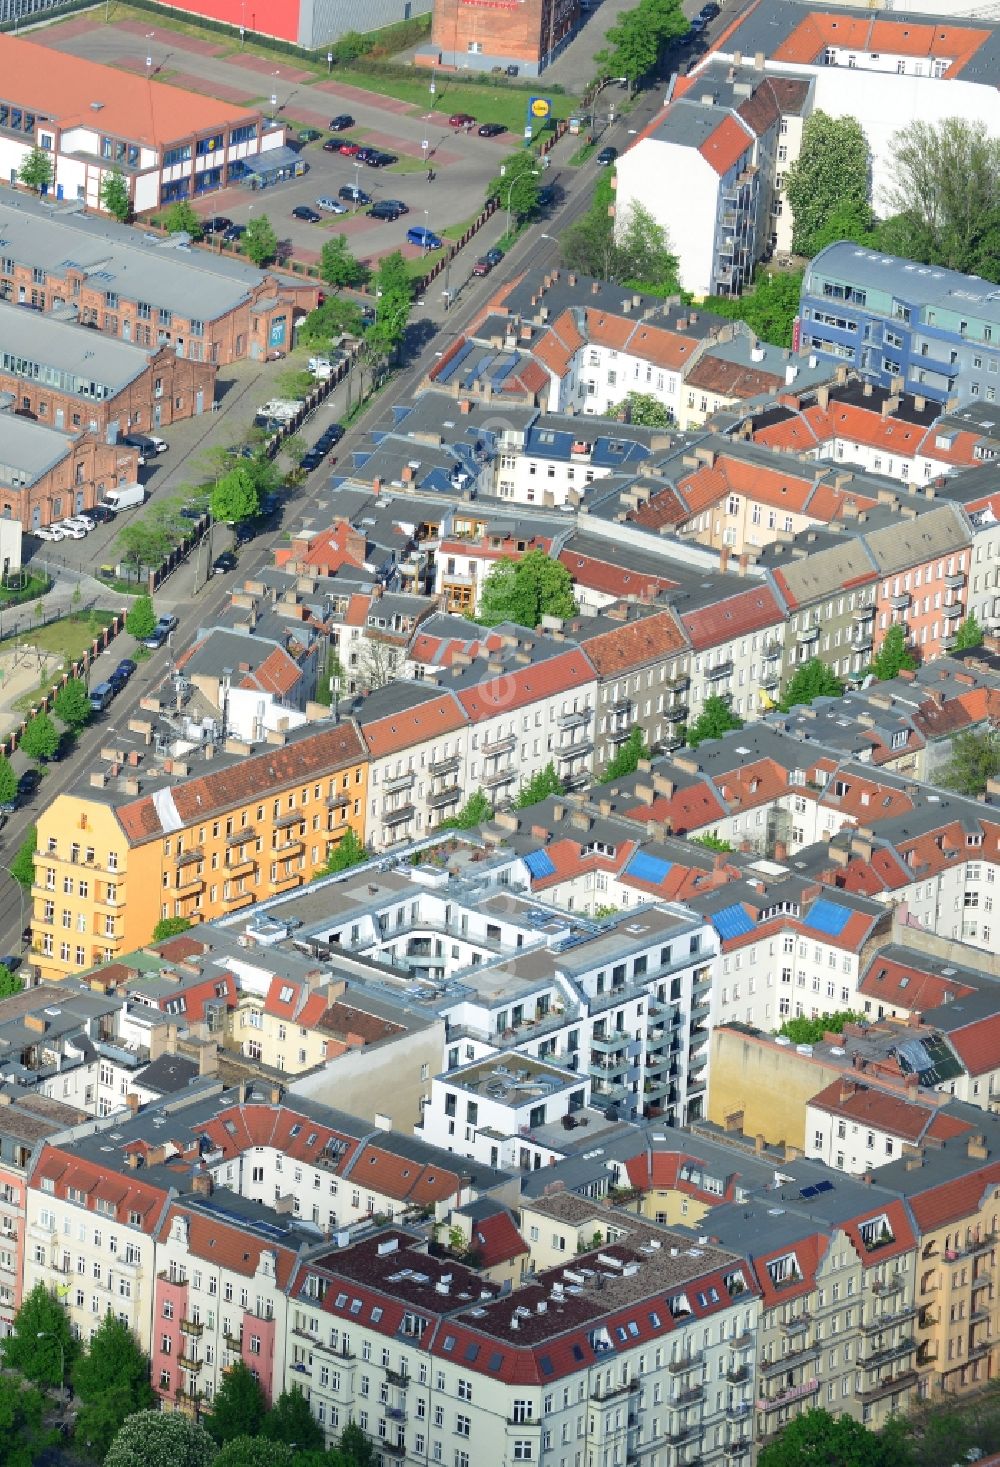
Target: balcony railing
(500,744)
(788,1395)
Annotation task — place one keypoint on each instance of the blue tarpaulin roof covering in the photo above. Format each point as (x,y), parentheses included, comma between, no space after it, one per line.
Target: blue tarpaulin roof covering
(645,867)
(827,917)
(539,864)
(732,922)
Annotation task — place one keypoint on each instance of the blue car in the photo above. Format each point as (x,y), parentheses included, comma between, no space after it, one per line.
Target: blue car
(425,238)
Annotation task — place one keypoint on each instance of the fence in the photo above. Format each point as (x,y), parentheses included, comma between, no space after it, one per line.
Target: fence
(79,668)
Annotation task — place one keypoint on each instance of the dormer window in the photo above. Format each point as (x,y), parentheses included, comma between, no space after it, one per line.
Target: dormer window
(876,1232)
(784,1271)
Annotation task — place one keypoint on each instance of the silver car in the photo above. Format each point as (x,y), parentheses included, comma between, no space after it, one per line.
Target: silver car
(332,206)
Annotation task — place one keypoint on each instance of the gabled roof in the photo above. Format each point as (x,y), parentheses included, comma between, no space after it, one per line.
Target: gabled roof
(517,687)
(633,643)
(734,616)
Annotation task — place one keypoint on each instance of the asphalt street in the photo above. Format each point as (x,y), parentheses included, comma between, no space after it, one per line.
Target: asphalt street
(198,602)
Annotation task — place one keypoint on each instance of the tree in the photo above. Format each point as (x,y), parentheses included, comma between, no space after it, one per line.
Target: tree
(333,319)
(111,1377)
(159,1439)
(338,267)
(515,187)
(141,618)
(850,221)
(236,497)
(291,1422)
(642,410)
(354,1448)
(393,288)
(8,780)
(36,170)
(975,759)
(72,704)
(346,853)
(811,1031)
(945,195)
(817,1439)
(22,868)
(40,739)
(180,218)
(969,634)
(812,679)
(635,42)
(239,1406)
(525,590)
(146,542)
(23,1438)
(40,1326)
(715,719)
(893,656)
(832,172)
(476,811)
(546,782)
(260,242)
(115,198)
(255,1451)
(643,258)
(711,841)
(170,927)
(769,309)
(626,760)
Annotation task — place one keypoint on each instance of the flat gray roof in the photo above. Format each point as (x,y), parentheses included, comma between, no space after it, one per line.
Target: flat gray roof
(73,349)
(919,285)
(28,450)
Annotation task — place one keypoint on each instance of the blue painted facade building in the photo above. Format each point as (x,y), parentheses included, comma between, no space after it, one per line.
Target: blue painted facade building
(934,330)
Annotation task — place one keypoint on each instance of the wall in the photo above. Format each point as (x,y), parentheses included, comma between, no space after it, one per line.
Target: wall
(385,1080)
(770,1083)
(691,230)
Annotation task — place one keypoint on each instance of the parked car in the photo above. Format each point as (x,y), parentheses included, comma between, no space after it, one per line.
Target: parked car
(80,521)
(364,153)
(483,266)
(387,209)
(425,238)
(353,195)
(378,159)
(350,150)
(164,626)
(491,129)
(71,530)
(224,563)
(341,122)
(331,206)
(710,11)
(102,694)
(50,532)
(192,512)
(126,667)
(494,255)
(234,233)
(86,520)
(332,145)
(461,119)
(218,224)
(117,680)
(310,135)
(99,514)
(607,156)
(546,196)
(303,211)
(312,459)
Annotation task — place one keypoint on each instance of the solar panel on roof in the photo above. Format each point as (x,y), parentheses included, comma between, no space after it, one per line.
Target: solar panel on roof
(915,1055)
(826,916)
(645,867)
(732,922)
(807,1191)
(824,1186)
(452,367)
(539,864)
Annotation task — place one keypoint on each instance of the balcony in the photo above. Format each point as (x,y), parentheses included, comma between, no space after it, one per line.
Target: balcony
(770,679)
(885,1356)
(438,767)
(621,734)
(686,1363)
(955,582)
(771,651)
(448,796)
(579,749)
(241,867)
(719,671)
(688,1397)
(496,777)
(188,884)
(241,836)
(234,1342)
(864,613)
(575,719)
(788,1395)
(501,744)
(894,1284)
(798,1323)
(192,1327)
(190,1363)
(680,683)
(399,782)
(900,602)
(862,642)
(889,1387)
(790,1361)
(398,815)
(808,634)
(600,1039)
(621,708)
(292,845)
(677,712)
(398,1379)
(393,1449)
(738,1374)
(953,611)
(880,1322)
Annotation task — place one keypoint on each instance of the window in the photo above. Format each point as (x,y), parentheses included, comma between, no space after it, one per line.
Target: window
(522,1451)
(463,1425)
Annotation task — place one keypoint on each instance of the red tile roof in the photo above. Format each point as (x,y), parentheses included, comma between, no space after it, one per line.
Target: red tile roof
(518,687)
(610,577)
(726,145)
(870,1106)
(734,616)
(414,726)
(978,1045)
(633,643)
(497,1240)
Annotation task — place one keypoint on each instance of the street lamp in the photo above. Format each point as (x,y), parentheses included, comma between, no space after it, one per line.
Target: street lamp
(48,1335)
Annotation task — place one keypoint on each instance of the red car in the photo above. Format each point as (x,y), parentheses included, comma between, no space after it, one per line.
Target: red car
(482,266)
(461,119)
(349,149)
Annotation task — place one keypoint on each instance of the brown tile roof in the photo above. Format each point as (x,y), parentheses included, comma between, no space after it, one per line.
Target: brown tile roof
(244,781)
(356,1027)
(518,687)
(734,616)
(404,730)
(723,147)
(229,1247)
(634,643)
(731,379)
(277,674)
(869,1106)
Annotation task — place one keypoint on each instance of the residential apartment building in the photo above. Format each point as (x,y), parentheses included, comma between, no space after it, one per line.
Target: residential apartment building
(418,746)
(130,846)
(93,120)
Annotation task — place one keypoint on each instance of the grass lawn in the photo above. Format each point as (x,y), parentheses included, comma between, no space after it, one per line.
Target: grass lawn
(34,586)
(582,154)
(70,636)
(455,231)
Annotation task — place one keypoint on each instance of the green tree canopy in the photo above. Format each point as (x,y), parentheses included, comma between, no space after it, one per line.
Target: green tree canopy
(969,634)
(811,1031)
(72,704)
(945,196)
(111,1377)
(818,1439)
(290,1422)
(141,618)
(36,170)
(354,1448)
(393,288)
(893,656)
(236,497)
(476,811)
(711,841)
(24,1439)
(546,782)
(516,185)
(161,1439)
(831,173)
(627,756)
(338,267)
(975,759)
(22,867)
(180,218)
(8,780)
(848,221)
(346,853)
(525,590)
(145,543)
(630,247)
(769,309)
(170,927)
(238,1407)
(812,679)
(40,739)
(40,1326)
(334,318)
(258,1451)
(10,984)
(260,243)
(635,41)
(643,410)
(715,719)
(115,198)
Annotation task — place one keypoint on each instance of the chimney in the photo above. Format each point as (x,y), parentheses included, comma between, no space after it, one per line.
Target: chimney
(976,1149)
(132,1101)
(202,1184)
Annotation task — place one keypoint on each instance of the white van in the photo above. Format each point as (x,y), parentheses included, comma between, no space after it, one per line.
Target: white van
(126,496)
